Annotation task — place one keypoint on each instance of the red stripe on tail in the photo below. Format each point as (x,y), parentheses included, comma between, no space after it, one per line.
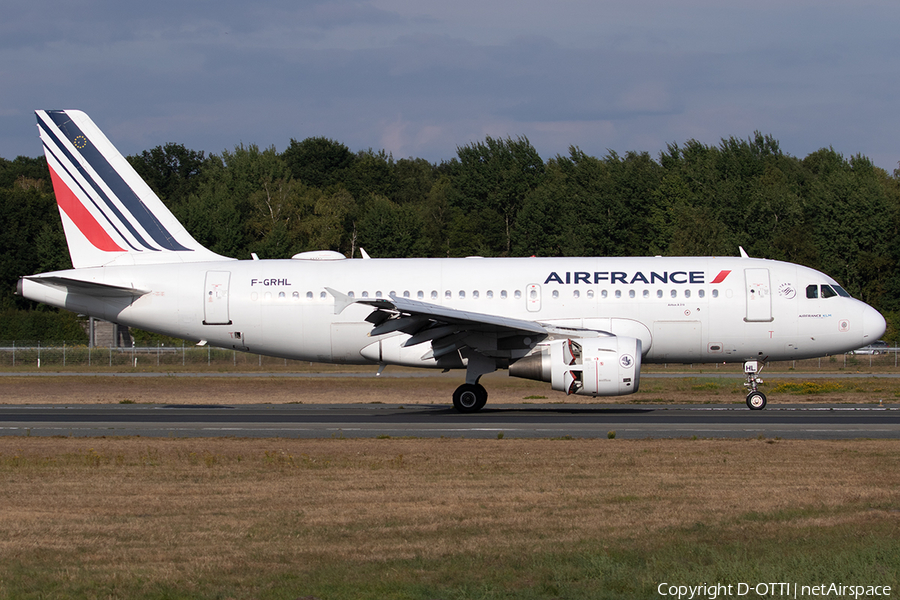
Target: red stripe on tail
(85,221)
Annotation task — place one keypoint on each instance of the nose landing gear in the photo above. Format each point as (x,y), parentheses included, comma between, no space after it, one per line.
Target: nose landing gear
(756,400)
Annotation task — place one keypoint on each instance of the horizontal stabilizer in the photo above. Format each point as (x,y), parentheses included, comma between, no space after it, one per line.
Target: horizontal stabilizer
(88,288)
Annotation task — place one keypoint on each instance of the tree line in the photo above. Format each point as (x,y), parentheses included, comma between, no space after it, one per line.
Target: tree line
(497,197)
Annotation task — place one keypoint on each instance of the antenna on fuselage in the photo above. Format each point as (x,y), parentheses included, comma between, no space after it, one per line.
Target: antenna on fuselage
(743,252)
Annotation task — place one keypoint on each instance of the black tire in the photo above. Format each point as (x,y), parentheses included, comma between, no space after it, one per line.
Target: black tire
(469,397)
(756,401)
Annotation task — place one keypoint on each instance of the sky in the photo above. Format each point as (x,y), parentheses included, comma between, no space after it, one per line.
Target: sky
(419,78)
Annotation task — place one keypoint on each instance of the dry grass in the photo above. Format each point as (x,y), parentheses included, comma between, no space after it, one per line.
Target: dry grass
(166,508)
(428,389)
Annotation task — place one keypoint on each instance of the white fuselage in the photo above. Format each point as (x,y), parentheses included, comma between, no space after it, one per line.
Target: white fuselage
(682,309)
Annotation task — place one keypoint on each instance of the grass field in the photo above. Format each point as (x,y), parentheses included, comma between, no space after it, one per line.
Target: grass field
(442,518)
(427,519)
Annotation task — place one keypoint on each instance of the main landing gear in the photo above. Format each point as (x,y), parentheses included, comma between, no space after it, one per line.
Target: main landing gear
(756,400)
(471,396)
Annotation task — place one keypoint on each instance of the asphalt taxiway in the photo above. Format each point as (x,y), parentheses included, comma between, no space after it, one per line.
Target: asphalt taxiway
(838,421)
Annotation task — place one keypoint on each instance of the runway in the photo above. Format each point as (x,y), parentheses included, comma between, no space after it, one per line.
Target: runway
(840,421)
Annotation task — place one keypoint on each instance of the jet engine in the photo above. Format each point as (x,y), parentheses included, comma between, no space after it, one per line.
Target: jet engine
(602,366)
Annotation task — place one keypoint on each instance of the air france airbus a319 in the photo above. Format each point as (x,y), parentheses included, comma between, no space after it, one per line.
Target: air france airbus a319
(585,325)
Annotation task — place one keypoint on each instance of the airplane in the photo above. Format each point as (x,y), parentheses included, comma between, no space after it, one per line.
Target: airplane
(585,325)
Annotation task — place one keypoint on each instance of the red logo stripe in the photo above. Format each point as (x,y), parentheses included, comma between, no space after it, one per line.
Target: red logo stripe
(720,277)
(85,221)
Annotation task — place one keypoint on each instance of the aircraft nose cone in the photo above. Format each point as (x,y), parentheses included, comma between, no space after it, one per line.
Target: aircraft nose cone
(874,325)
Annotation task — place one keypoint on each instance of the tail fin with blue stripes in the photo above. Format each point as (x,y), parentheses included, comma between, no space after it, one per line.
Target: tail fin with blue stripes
(109,214)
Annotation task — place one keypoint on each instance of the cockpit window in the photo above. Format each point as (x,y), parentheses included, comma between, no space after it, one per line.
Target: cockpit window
(825,291)
(841,291)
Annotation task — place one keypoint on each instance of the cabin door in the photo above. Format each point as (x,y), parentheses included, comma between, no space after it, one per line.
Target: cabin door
(215,301)
(759,297)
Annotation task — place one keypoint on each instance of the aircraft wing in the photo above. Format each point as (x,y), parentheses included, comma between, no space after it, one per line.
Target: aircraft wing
(448,329)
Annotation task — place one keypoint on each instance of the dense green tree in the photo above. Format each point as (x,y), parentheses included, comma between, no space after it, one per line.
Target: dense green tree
(28,215)
(387,230)
(318,161)
(489,185)
(172,171)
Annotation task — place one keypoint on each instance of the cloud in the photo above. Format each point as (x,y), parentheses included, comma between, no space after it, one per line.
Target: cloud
(420,79)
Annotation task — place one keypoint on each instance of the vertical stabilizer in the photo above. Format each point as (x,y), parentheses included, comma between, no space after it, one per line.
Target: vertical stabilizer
(110,215)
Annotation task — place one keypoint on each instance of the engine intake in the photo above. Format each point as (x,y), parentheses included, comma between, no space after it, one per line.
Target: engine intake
(603,366)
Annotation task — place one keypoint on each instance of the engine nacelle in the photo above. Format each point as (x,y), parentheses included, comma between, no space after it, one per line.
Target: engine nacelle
(603,366)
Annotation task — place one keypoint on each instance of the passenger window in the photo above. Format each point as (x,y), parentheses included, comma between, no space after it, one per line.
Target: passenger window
(420,295)
(309,295)
(687,293)
(503,294)
(434,294)
(475,295)
(604,293)
(701,293)
(618,293)
(365,294)
(448,294)
(715,293)
(281,294)
(555,294)
(646,293)
(295,295)
(322,295)
(827,292)
(576,294)
(812,291)
(590,293)
(490,294)
(674,293)
(350,294)
(518,294)
(533,294)
(406,293)
(659,293)
(462,295)
(378,294)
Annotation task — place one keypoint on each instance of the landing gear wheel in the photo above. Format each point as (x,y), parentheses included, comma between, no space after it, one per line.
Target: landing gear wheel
(756,400)
(469,397)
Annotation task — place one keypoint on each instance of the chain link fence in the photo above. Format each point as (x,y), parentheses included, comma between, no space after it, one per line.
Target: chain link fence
(35,355)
